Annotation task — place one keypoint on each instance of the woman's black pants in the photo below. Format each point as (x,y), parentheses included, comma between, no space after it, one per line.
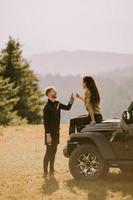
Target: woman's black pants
(80,122)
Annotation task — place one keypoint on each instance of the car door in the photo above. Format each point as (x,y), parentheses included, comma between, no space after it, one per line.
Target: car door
(123,146)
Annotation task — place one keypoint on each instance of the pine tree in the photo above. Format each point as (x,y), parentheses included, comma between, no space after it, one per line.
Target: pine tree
(8,99)
(17,70)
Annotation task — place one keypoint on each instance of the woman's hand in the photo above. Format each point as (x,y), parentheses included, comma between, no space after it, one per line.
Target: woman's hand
(93,122)
(78,96)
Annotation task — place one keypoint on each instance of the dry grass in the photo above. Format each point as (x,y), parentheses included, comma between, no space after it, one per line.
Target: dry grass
(21,178)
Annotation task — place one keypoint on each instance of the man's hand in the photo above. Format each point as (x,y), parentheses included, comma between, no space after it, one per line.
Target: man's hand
(49,139)
(71,99)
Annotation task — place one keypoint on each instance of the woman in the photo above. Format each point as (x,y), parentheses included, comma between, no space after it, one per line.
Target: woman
(91,102)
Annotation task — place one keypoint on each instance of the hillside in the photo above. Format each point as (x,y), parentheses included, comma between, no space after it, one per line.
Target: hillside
(78,62)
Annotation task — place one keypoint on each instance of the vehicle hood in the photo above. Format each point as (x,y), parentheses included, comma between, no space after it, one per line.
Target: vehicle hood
(107,125)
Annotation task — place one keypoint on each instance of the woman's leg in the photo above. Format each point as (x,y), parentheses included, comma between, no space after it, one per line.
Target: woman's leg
(72,125)
(83,121)
(98,118)
(78,123)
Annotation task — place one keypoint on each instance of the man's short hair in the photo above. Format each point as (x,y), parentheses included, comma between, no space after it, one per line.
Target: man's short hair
(48,89)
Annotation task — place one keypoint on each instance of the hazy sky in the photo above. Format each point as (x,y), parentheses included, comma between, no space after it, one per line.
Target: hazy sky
(52,25)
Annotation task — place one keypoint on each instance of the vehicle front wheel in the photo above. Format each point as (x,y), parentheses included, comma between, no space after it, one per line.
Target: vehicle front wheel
(127,171)
(87,163)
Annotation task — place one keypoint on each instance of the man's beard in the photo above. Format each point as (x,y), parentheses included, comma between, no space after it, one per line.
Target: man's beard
(54,96)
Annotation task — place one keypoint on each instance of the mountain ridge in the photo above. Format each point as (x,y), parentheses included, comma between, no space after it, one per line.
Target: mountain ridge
(79,62)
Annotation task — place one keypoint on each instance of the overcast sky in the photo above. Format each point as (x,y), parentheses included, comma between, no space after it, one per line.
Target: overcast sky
(52,25)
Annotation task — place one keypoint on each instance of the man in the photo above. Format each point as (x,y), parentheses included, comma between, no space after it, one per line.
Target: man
(51,116)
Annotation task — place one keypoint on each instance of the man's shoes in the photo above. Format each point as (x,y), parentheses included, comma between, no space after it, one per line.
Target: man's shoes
(45,174)
(52,172)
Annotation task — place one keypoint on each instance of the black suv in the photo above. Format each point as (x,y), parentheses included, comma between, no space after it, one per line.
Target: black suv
(96,148)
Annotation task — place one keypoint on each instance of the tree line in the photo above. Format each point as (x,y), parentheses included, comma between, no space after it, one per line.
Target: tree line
(115,87)
(20,97)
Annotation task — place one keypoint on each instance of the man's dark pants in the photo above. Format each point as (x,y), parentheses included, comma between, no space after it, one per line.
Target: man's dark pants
(49,157)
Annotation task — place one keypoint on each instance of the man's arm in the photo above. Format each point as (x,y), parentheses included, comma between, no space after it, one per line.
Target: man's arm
(69,105)
(65,107)
(46,117)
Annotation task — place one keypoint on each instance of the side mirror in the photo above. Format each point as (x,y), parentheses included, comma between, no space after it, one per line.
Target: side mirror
(130,108)
(126,117)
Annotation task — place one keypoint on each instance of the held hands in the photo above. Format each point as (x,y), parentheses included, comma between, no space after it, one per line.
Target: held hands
(72,97)
(49,139)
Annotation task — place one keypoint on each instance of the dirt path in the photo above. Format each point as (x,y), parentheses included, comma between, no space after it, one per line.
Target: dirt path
(21,178)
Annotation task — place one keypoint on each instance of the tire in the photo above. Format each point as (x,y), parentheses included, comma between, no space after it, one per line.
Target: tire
(127,171)
(87,163)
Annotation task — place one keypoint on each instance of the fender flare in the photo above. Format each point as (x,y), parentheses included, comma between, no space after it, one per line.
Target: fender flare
(99,140)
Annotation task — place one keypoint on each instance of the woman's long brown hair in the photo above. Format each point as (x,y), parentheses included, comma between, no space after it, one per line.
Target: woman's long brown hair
(91,85)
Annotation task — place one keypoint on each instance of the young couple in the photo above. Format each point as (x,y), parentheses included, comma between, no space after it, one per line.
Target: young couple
(51,115)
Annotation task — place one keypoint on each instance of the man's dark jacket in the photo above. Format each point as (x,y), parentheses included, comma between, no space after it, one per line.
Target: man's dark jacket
(51,116)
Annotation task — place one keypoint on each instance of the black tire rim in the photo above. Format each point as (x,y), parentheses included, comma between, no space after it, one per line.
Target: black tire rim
(88,164)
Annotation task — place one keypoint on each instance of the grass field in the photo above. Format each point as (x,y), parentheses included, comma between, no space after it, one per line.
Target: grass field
(21,175)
